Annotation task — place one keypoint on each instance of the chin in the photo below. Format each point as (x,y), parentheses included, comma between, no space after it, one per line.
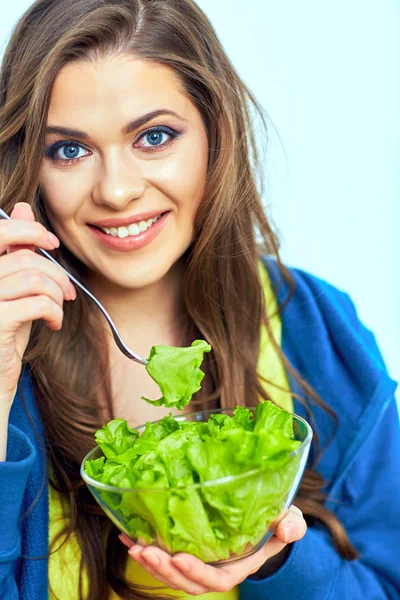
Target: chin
(138,276)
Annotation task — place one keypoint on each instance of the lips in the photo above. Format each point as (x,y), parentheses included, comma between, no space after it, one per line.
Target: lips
(124,221)
(132,242)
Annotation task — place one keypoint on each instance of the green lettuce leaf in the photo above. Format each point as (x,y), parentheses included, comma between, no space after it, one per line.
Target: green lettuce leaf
(272,418)
(115,437)
(177,372)
(192,531)
(94,468)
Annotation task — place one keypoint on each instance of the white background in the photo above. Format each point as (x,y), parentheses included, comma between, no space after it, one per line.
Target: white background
(328,74)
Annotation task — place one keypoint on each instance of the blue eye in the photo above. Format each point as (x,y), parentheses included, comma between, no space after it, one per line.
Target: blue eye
(70,151)
(66,151)
(156,138)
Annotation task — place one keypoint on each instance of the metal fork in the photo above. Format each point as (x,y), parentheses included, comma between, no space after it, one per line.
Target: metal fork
(120,343)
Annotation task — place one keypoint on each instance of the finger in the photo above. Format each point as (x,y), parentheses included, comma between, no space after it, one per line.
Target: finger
(152,572)
(22,211)
(15,235)
(24,260)
(292,527)
(159,564)
(30,283)
(25,310)
(126,540)
(23,231)
(280,517)
(223,578)
(296,509)
(218,579)
(257,560)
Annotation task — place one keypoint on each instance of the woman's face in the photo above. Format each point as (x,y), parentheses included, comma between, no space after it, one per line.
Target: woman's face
(125,167)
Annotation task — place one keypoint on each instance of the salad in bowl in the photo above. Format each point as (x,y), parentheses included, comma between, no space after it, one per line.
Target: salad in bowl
(210,483)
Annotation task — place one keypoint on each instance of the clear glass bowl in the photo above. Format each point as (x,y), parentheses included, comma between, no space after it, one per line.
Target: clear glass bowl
(119,503)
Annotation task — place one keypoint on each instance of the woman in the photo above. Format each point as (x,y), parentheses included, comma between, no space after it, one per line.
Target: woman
(126,149)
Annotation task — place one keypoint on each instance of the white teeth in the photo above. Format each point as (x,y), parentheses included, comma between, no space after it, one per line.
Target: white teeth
(131,230)
(122,232)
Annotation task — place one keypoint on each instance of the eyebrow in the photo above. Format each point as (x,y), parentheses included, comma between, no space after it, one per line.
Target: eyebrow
(135,124)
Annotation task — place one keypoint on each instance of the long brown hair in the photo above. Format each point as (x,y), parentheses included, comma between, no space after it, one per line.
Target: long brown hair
(221,278)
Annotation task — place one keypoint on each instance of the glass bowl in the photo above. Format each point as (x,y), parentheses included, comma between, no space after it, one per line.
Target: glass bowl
(220,520)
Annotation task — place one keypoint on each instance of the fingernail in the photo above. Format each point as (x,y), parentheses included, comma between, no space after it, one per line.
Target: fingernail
(71,291)
(134,551)
(152,558)
(289,531)
(124,540)
(181,564)
(53,240)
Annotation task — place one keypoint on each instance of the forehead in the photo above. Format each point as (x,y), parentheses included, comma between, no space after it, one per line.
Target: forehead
(119,86)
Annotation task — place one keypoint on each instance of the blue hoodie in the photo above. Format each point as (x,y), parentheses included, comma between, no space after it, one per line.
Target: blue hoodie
(338,356)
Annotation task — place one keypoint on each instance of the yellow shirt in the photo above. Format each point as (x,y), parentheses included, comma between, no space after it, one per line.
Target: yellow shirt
(64,563)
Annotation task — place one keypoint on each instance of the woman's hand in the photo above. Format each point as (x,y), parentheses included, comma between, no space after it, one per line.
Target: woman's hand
(189,574)
(31,287)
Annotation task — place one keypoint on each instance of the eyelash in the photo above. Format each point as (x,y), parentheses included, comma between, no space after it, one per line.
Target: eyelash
(52,150)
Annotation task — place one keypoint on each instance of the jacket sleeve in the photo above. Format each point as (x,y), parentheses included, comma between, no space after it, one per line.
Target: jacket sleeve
(369,508)
(14,473)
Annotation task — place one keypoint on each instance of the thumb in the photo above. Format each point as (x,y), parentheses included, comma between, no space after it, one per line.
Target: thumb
(23,212)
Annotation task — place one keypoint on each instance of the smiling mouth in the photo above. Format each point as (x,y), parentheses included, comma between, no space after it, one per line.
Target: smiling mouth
(131,230)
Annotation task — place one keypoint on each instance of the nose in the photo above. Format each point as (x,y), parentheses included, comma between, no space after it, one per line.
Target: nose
(119,183)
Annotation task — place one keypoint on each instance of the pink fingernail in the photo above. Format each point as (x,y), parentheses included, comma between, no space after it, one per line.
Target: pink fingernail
(135,551)
(181,564)
(53,240)
(125,540)
(72,291)
(289,531)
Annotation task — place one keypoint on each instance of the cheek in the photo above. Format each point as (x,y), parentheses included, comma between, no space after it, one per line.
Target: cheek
(194,172)
(182,177)
(62,193)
